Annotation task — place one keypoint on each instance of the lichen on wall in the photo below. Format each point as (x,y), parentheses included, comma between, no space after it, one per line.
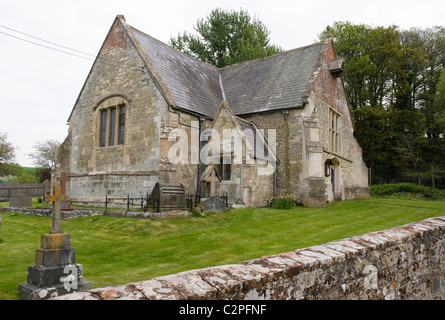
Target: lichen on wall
(406,262)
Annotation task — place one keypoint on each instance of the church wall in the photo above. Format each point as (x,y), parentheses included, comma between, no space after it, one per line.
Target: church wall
(258,183)
(290,171)
(117,77)
(350,172)
(174,122)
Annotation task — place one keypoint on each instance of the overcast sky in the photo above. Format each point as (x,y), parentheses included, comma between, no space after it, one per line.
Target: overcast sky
(39,86)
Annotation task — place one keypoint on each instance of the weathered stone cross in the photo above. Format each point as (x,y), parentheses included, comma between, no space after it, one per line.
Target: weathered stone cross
(63,180)
(213,179)
(56,199)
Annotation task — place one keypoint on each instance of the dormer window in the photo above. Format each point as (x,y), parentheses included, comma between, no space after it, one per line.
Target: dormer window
(337,68)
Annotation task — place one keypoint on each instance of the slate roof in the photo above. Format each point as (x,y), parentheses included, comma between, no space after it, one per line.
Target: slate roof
(194,84)
(277,82)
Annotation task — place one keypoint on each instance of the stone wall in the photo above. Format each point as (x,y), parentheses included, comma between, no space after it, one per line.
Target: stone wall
(406,262)
(290,171)
(48,212)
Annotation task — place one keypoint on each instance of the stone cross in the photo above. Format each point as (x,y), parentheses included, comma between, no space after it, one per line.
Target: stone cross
(56,199)
(63,180)
(65,206)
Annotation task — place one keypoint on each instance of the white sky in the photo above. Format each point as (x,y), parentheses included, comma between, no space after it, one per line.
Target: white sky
(38,86)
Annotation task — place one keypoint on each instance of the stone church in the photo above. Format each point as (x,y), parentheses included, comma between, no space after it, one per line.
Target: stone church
(148,114)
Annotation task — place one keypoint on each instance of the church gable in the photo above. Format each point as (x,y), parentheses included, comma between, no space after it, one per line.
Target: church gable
(116,39)
(114,134)
(242,131)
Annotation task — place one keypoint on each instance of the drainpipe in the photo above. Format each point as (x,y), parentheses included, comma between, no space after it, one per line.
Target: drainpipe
(275,180)
(286,146)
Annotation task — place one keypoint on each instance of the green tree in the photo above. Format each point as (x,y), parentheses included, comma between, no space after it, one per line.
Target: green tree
(440,99)
(371,56)
(409,140)
(426,73)
(393,83)
(373,122)
(45,155)
(7,156)
(226,37)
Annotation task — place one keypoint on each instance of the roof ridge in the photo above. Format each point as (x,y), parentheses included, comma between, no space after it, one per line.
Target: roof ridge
(174,49)
(274,55)
(231,65)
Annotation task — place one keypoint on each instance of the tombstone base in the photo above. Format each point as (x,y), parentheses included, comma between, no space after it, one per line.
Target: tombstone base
(30,291)
(65,206)
(55,273)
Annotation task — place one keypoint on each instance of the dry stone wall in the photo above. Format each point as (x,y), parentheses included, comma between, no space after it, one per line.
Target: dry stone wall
(406,262)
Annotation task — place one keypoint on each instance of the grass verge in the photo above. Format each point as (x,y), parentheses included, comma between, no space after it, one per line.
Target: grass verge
(121,250)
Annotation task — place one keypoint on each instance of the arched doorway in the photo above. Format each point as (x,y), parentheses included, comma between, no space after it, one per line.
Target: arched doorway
(334,182)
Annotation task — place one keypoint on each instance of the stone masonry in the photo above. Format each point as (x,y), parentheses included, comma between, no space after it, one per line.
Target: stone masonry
(406,262)
(141,94)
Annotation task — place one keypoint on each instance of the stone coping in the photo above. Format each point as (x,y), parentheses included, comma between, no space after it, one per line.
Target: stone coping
(406,262)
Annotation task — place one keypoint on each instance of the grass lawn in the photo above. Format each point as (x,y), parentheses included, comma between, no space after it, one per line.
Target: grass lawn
(121,250)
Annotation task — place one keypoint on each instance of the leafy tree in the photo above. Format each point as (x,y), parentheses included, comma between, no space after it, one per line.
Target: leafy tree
(7,150)
(396,90)
(374,62)
(409,139)
(441,88)
(7,156)
(440,99)
(226,37)
(45,155)
(431,43)
(373,122)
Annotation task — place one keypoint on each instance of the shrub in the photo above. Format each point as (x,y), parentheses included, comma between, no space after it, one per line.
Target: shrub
(391,189)
(283,202)
(24,178)
(406,189)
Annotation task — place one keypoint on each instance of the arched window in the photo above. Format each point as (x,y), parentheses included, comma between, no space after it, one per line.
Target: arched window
(334,131)
(111,117)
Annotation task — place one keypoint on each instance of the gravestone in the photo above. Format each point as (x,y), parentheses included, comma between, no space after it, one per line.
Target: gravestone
(214,205)
(20,201)
(172,197)
(56,271)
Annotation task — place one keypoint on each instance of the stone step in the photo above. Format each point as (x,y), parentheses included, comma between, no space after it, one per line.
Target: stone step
(173,189)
